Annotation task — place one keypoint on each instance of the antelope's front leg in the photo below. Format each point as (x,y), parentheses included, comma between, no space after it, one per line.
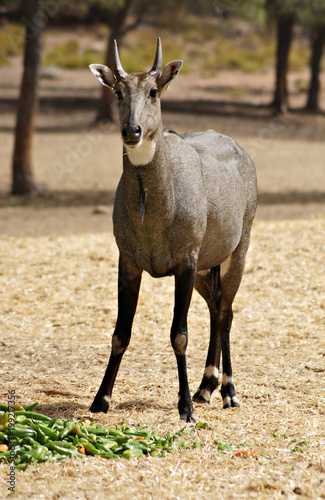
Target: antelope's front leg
(184,281)
(129,280)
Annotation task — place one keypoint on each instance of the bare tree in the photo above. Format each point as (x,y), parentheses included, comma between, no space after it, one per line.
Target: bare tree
(118,16)
(283,14)
(284,37)
(22,175)
(287,13)
(318,42)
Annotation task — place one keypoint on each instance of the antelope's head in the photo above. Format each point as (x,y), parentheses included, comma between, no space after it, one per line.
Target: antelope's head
(138,97)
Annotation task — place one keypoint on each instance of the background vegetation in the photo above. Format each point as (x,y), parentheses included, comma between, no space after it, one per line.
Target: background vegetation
(238,38)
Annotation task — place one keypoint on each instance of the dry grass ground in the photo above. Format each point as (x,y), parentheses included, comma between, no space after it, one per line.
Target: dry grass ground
(58,302)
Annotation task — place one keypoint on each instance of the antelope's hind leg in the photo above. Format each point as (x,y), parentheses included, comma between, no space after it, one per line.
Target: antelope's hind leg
(219,288)
(231,273)
(208,286)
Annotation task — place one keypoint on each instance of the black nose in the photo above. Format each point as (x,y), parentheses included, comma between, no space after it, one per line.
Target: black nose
(131,133)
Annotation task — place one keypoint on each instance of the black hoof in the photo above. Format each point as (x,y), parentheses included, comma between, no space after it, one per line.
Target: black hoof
(198,398)
(229,396)
(231,403)
(100,404)
(188,418)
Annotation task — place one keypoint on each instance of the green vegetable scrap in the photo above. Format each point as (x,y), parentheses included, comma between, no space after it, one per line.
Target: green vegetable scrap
(204,425)
(37,438)
(222,446)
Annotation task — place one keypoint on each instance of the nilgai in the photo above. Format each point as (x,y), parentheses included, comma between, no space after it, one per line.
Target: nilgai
(184,207)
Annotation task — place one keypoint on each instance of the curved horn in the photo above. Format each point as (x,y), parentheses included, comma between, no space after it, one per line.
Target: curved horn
(118,70)
(157,65)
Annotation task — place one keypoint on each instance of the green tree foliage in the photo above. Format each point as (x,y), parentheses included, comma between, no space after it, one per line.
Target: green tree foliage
(311,12)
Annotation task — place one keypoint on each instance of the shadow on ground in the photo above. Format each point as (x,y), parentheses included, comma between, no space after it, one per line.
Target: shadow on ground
(106,198)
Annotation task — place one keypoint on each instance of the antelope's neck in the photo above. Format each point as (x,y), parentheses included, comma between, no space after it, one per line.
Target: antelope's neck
(148,187)
(143,154)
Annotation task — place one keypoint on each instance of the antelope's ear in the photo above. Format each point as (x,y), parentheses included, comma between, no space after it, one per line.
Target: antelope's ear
(104,75)
(168,74)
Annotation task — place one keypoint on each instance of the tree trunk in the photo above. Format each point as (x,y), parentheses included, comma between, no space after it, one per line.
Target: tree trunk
(315,61)
(22,176)
(284,37)
(105,108)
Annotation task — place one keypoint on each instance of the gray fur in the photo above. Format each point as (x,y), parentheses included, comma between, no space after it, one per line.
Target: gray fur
(200,199)
(183,213)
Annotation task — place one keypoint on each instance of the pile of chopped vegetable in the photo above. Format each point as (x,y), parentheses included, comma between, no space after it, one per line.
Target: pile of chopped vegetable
(37,438)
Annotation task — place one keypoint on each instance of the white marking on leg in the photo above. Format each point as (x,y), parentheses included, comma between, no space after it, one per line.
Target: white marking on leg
(224,266)
(226,401)
(142,153)
(107,399)
(116,346)
(226,379)
(211,371)
(234,400)
(179,343)
(205,394)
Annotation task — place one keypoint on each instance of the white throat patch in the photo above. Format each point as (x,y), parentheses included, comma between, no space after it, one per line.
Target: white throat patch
(142,153)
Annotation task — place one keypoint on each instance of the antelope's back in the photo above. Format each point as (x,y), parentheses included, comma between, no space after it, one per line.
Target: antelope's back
(227,166)
(229,179)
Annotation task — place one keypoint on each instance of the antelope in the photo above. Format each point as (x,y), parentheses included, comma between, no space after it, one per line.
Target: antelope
(184,206)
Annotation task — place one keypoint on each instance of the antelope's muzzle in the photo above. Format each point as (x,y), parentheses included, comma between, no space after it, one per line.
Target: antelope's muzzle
(131,134)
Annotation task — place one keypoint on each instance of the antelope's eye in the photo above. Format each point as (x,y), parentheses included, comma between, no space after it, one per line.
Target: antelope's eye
(153,92)
(119,94)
